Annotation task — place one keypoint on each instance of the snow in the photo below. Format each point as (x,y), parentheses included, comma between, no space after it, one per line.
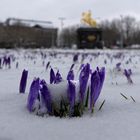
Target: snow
(118,119)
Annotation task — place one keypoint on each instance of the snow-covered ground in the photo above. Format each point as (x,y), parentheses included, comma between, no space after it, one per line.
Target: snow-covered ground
(117,120)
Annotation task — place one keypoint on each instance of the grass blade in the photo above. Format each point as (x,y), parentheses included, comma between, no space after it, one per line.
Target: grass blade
(133,99)
(124,96)
(101,105)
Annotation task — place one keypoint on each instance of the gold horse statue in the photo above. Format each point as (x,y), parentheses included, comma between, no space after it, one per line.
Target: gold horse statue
(87,19)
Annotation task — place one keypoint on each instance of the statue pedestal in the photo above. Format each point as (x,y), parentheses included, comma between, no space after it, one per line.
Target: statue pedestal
(89,38)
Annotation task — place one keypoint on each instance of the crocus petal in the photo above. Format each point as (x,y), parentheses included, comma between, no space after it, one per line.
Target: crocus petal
(0,62)
(33,94)
(58,78)
(47,97)
(128,74)
(4,60)
(71,95)
(101,73)
(118,66)
(82,65)
(70,75)
(95,86)
(23,81)
(83,79)
(52,76)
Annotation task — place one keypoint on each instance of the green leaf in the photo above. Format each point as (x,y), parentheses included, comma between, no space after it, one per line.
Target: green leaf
(92,111)
(87,98)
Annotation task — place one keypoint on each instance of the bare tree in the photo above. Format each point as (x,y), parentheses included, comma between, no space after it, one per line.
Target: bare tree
(123,29)
(68,36)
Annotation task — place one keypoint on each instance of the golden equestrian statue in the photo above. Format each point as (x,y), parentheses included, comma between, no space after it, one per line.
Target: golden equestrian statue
(88,20)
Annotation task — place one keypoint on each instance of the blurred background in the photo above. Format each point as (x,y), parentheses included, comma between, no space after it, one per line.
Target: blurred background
(69,24)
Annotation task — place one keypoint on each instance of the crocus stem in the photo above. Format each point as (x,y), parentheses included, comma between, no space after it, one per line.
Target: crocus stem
(87,98)
(92,110)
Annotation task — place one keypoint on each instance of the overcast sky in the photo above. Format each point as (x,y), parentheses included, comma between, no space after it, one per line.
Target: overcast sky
(51,10)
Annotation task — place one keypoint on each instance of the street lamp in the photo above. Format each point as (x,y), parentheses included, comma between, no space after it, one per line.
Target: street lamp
(61,21)
(121,35)
(60,39)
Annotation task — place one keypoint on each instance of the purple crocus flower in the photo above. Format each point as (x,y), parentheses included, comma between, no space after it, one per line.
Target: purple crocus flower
(70,75)
(33,94)
(82,65)
(42,82)
(128,74)
(83,80)
(105,61)
(9,62)
(4,61)
(118,66)
(75,57)
(97,80)
(58,78)
(95,88)
(130,71)
(0,63)
(101,73)
(52,76)
(47,97)
(71,96)
(23,81)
